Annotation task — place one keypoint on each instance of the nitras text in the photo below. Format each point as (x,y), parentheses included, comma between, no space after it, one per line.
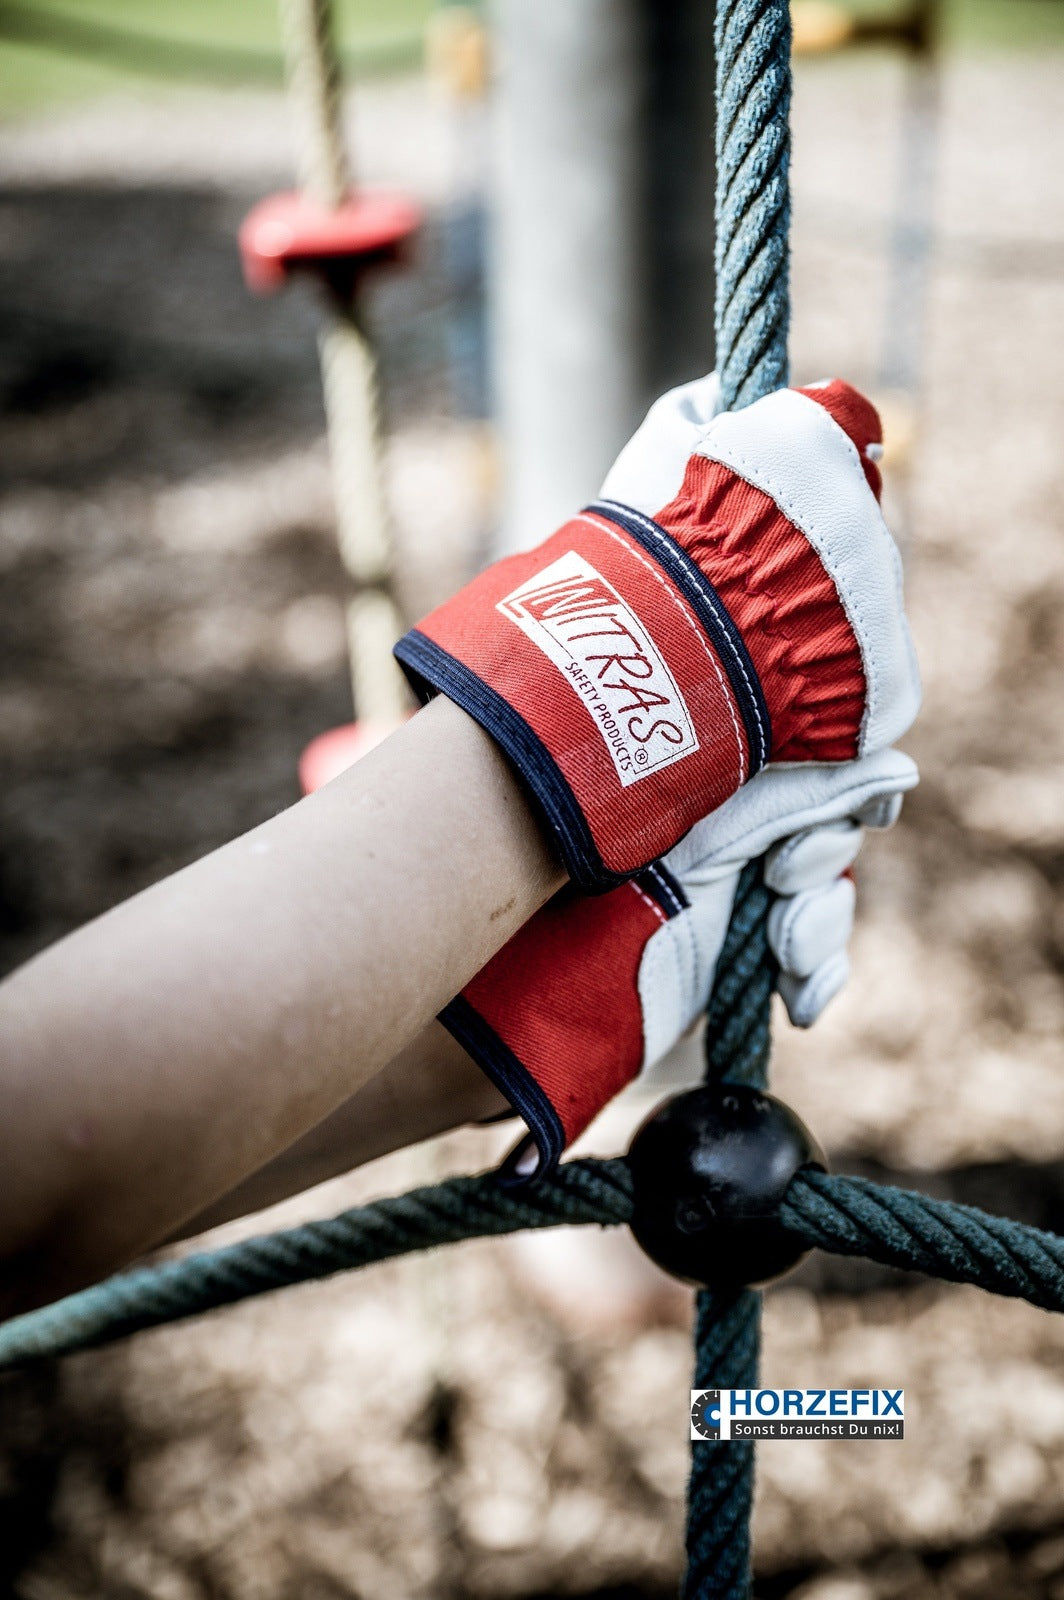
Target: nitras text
(580,622)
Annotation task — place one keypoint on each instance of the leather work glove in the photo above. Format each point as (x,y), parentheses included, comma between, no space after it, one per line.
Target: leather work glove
(733,599)
(594,990)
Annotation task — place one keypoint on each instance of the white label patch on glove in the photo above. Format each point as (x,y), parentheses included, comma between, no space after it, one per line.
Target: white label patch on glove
(580,622)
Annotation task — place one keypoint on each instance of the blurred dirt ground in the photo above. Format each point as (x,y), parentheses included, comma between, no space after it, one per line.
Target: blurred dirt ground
(171,636)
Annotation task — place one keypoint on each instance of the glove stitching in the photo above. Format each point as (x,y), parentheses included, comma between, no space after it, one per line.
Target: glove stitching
(786,850)
(699,1000)
(786,504)
(651,527)
(647,901)
(816,988)
(661,877)
(604,527)
(765,481)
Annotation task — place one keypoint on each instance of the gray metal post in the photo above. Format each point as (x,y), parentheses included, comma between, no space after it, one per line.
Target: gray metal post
(564,251)
(602,250)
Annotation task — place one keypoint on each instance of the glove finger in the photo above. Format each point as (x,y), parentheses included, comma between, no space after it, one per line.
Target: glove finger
(808,930)
(806,998)
(813,858)
(785,800)
(881,813)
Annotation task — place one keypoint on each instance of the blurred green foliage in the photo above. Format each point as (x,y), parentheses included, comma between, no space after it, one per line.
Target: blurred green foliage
(979,24)
(53,51)
(59,50)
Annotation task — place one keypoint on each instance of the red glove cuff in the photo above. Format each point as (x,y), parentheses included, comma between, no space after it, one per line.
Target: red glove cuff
(711,636)
(558,1058)
(597,666)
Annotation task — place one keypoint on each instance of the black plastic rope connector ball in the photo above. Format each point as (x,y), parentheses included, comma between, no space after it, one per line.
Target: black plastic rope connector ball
(710,1171)
(849,1216)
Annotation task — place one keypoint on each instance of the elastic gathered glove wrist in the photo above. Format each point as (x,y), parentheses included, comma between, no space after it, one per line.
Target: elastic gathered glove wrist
(733,598)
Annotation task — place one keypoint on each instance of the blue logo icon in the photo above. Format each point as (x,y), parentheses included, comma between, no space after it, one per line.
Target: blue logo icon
(705,1414)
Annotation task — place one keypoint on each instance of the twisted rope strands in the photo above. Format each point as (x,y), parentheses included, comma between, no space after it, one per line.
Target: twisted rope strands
(312,68)
(898,1228)
(721,1490)
(753,50)
(753,42)
(847,1216)
(349,375)
(737,1018)
(728,1329)
(464,1208)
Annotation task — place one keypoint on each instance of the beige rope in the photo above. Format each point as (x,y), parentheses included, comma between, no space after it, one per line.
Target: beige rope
(349,376)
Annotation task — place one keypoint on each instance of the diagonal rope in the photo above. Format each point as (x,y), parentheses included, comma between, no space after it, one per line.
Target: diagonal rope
(899,1228)
(445,1213)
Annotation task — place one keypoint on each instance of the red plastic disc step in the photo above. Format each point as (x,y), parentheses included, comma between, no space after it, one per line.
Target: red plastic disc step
(290,231)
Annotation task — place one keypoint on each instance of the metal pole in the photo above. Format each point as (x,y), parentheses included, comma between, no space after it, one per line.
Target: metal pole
(564,257)
(601,261)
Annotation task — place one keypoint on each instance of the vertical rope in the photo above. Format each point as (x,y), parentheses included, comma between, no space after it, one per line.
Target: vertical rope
(737,1018)
(753,44)
(721,1491)
(315,89)
(349,375)
(753,41)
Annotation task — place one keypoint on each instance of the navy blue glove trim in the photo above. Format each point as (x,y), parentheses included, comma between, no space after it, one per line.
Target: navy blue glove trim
(431,669)
(465,1024)
(711,612)
(665,890)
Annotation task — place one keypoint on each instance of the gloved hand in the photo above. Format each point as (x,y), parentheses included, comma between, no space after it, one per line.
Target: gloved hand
(594,990)
(733,598)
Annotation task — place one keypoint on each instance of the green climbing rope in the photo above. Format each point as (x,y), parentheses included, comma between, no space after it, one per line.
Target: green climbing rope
(847,1215)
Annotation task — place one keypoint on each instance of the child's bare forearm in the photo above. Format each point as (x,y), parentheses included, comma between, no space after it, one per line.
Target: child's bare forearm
(429,1088)
(158,1056)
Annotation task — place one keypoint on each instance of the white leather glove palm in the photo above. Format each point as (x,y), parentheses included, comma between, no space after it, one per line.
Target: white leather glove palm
(810,823)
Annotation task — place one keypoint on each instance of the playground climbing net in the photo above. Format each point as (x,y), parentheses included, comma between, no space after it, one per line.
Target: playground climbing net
(849,1216)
